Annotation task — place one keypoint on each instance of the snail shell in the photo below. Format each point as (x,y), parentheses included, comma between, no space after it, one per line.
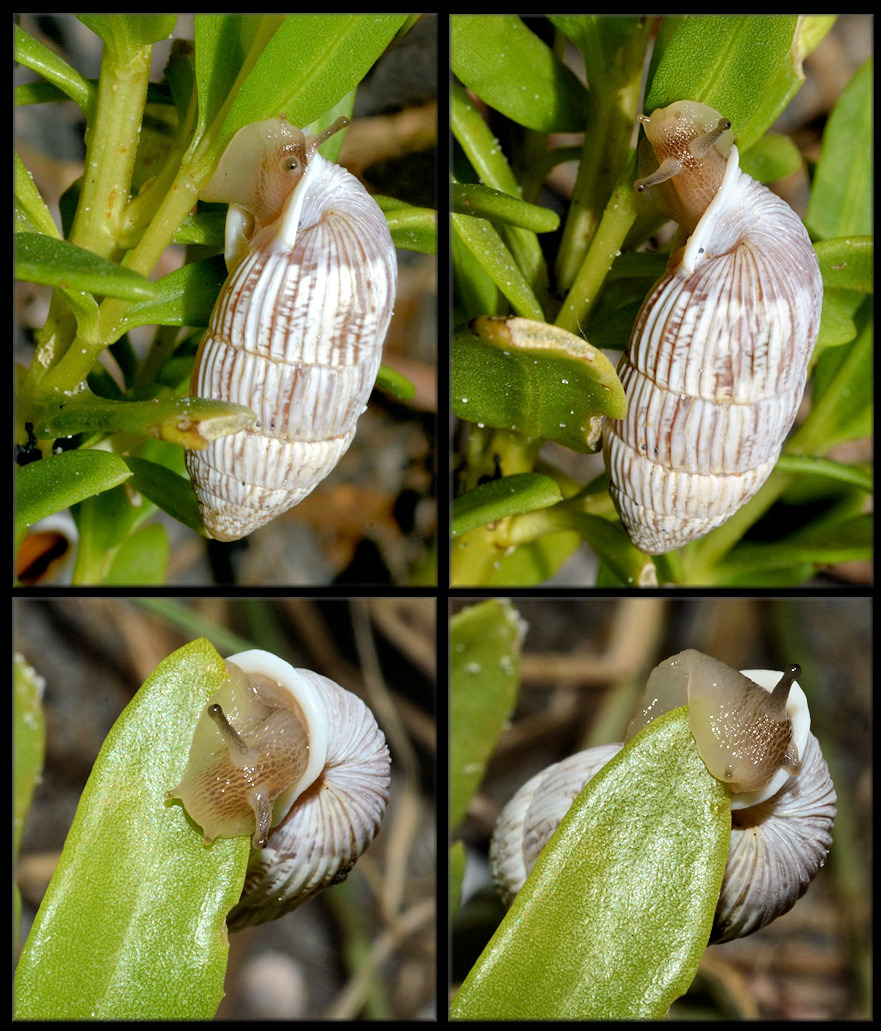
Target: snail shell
(293,759)
(777,844)
(717,361)
(297,331)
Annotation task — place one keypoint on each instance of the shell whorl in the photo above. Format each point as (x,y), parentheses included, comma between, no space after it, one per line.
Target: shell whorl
(296,335)
(715,368)
(331,823)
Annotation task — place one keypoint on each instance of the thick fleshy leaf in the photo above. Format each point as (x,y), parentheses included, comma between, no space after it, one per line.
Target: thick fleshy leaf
(309,64)
(457,875)
(485,645)
(132,926)
(537,379)
(44,259)
(842,193)
(744,67)
(29,734)
(54,69)
(614,918)
(512,70)
(168,491)
(141,559)
(507,496)
(60,481)
(395,383)
(847,263)
(494,256)
(189,422)
(473,199)
(184,297)
(412,228)
(31,212)
(124,32)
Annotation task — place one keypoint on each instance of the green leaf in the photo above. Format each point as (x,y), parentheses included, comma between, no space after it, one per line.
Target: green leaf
(805,465)
(308,65)
(189,422)
(29,748)
(484,242)
(56,483)
(141,559)
(512,70)
(849,540)
(842,194)
(184,297)
(614,918)
(168,491)
(29,735)
(44,259)
(534,378)
(395,383)
(457,875)
(743,66)
(123,33)
(206,227)
(132,926)
(600,39)
(480,146)
(32,214)
(55,70)
(412,228)
(843,397)
(472,199)
(771,158)
(508,496)
(485,645)
(222,44)
(608,539)
(847,264)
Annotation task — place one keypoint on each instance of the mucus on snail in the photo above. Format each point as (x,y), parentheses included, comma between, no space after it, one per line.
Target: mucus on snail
(781,824)
(717,360)
(297,762)
(297,331)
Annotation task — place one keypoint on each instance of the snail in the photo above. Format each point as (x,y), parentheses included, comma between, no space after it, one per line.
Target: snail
(297,331)
(782,801)
(297,762)
(717,360)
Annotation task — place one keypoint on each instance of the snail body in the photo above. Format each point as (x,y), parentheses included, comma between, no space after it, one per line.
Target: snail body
(297,331)
(717,360)
(291,758)
(781,830)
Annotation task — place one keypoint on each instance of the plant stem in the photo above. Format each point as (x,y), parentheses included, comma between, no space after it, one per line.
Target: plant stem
(112,145)
(617,219)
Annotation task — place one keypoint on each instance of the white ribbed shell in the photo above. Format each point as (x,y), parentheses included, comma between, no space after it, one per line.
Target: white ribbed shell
(296,335)
(530,818)
(775,851)
(335,818)
(715,369)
